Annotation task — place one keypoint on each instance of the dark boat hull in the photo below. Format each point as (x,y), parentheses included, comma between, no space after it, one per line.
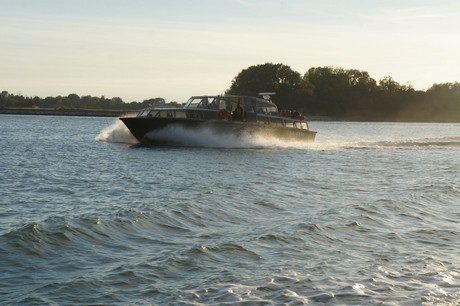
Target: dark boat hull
(140,127)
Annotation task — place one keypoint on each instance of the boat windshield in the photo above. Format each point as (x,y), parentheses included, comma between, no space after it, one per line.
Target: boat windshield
(206,102)
(196,102)
(231,102)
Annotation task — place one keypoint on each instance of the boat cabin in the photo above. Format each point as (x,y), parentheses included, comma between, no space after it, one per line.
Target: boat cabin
(230,108)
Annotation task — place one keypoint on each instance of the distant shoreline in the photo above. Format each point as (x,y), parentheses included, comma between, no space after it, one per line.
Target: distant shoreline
(99,113)
(66,112)
(118,113)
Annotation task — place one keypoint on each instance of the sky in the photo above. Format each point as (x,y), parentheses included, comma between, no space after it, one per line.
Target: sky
(142,49)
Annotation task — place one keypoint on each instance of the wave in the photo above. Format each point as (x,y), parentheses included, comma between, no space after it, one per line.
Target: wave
(130,251)
(52,234)
(453,142)
(441,142)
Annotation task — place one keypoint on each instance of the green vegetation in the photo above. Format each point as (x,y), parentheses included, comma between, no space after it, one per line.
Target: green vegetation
(349,94)
(75,102)
(344,94)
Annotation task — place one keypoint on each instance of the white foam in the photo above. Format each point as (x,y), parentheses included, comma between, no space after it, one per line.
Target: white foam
(117,132)
(208,137)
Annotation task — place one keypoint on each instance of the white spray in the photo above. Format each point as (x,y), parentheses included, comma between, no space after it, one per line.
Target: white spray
(117,132)
(210,138)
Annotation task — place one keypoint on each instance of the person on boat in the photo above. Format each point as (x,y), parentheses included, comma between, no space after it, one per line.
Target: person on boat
(238,112)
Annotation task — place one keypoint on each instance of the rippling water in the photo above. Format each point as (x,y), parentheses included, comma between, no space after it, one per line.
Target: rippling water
(366,215)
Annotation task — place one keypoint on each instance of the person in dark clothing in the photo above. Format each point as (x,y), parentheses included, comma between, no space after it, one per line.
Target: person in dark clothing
(238,112)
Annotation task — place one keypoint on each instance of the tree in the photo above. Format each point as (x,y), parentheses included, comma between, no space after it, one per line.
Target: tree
(4,98)
(443,101)
(338,91)
(288,85)
(388,85)
(72,100)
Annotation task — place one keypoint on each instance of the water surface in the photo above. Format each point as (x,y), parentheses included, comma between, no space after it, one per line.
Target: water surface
(368,214)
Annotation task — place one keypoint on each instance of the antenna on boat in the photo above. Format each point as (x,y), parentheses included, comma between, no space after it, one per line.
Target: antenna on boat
(267,95)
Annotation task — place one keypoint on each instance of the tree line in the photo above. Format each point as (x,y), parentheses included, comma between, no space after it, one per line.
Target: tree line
(349,94)
(75,102)
(338,93)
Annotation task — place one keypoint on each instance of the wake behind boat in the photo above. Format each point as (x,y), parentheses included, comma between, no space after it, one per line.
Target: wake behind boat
(227,114)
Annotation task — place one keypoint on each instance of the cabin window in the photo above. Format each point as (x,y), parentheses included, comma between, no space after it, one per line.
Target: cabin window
(234,103)
(267,109)
(217,103)
(152,113)
(250,104)
(261,109)
(144,113)
(222,104)
(195,102)
(180,114)
(290,124)
(166,114)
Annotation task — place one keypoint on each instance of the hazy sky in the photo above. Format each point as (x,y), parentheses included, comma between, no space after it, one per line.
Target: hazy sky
(139,49)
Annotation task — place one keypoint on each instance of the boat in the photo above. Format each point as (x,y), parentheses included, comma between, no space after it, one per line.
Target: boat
(223,114)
